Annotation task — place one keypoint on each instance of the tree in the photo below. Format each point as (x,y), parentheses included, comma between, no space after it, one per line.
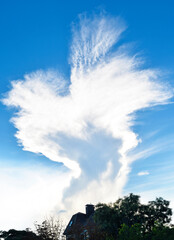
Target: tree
(107,218)
(50,229)
(135,233)
(13,234)
(160,211)
(161,233)
(124,211)
(129,211)
(130,233)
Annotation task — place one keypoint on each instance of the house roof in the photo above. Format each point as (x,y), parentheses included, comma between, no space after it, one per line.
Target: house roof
(79,220)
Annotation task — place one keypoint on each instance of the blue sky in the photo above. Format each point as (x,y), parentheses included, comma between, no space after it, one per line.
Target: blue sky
(37,35)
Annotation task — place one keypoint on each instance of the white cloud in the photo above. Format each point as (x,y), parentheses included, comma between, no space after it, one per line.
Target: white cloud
(29,194)
(106,90)
(143,173)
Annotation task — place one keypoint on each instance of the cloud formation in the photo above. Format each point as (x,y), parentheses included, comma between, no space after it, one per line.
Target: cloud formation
(29,194)
(143,173)
(107,87)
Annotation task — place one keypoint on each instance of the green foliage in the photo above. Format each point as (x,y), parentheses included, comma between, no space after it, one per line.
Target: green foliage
(128,209)
(107,219)
(135,233)
(127,212)
(130,233)
(161,233)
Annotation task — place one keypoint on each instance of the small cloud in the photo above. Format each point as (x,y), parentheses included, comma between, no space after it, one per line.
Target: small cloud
(143,173)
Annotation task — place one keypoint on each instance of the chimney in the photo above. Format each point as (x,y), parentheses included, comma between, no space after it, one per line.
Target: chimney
(89,209)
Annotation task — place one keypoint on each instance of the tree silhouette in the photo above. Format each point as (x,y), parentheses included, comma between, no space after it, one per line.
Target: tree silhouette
(128,211)
(50,229)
